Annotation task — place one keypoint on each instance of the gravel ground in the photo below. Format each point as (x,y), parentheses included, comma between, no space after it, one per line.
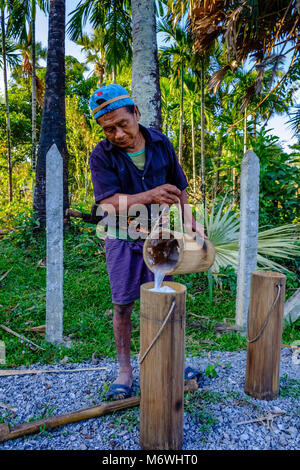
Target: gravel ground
(211,419)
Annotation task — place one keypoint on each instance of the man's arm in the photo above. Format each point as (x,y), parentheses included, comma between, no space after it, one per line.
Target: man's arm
(164,194)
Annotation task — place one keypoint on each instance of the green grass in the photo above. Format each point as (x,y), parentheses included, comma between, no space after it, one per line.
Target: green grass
(289,387)
(196,404)
(87,318)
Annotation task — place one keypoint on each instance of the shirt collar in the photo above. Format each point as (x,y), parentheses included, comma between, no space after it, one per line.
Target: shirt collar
(150,135)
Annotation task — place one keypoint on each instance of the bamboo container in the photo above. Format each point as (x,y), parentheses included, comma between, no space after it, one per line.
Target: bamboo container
(264,334)
(162,369)
(188,255)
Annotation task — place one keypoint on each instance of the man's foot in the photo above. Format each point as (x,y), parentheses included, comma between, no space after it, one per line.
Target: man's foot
(125,378)
(118,392)
(121,387)
(190,373)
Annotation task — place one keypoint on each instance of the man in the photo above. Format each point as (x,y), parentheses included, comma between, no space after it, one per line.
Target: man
(139,166)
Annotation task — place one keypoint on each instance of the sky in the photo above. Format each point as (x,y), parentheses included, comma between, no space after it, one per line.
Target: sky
(277,124)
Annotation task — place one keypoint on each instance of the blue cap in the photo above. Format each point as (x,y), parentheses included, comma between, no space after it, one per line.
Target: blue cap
(108,98)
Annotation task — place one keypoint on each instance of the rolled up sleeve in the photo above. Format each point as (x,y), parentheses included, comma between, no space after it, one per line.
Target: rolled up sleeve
(105,179)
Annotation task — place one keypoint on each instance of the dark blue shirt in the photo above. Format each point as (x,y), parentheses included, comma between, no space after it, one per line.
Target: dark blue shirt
(114,172)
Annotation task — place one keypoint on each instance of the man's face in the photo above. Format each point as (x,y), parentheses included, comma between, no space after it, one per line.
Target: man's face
(120,127)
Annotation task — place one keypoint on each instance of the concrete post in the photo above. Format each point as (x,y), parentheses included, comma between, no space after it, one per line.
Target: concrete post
(249,210)
(54,231)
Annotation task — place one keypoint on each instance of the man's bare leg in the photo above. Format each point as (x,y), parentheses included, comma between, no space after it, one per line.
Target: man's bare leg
(122,334)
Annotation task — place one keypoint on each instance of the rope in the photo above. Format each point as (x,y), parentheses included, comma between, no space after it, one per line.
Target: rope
(159,331)
(165,209)
(267,319)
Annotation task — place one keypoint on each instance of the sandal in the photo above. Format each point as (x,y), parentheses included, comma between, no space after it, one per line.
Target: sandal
(118,392)
(190,373)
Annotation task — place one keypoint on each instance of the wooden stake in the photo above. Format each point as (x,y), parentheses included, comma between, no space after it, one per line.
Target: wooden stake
(264,334)
(162,370)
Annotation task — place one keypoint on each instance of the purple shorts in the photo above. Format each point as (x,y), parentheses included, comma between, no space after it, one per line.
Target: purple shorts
(127,269)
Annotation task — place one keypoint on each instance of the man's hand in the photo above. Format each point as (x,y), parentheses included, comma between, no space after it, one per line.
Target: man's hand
(199,229)
(165,194)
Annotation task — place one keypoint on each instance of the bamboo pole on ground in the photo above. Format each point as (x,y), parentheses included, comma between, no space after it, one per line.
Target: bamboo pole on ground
(78,415)
(264,334)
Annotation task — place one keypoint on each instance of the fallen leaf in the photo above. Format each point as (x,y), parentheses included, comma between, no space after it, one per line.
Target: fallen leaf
(5,274)
(94,359)
(41,263)
(38,329)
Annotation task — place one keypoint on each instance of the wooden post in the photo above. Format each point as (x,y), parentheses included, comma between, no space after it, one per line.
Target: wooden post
(264,334)
(162,369)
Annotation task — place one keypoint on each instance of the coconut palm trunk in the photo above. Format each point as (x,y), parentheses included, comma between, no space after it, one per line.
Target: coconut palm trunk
(203,189)
(33,94)
(245,131)
(53,129)
(10,187)
(220,148)
(181,115)
(193,146)
(145,74)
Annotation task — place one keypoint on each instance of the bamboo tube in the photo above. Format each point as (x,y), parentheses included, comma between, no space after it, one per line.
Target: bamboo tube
(264,334)
(162,369)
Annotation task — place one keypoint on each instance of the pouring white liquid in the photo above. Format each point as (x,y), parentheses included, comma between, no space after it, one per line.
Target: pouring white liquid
(163,255)
(159,274)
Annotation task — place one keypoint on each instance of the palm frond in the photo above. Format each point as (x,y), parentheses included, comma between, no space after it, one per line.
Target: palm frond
(222,228)
(294,121)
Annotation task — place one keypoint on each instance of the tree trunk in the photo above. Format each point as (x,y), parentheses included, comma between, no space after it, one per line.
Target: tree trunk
(10,189)
(193,147)
(33,97)
(53,128)
(113,74)
(254,126)
(217,184)
(202,136)
(181,116)
(145,73)
(245,132)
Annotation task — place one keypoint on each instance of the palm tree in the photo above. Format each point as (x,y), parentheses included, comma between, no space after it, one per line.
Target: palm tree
(94,48)
(223,226)
(6,101)
(22,24)
(112,17)
(145,74)
(203,190)
(8,57)
(167,104)
(179,55)
(53,129)
(294,120)
(260,30)
(25,69)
